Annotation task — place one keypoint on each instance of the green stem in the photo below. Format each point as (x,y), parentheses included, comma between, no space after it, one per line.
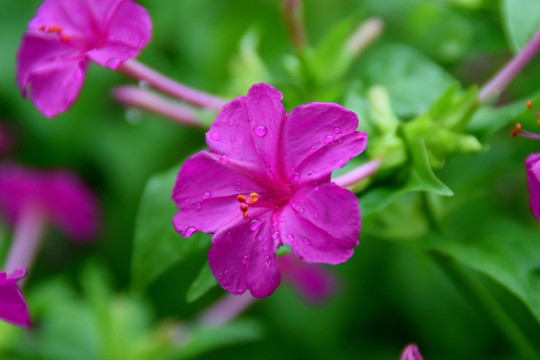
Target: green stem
(472,288)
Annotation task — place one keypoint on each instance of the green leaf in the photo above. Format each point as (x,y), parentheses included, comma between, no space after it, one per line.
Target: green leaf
(413,81)
(157,246)
(202,284)
(521,20)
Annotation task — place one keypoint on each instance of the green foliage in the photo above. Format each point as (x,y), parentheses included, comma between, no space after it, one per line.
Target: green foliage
(521,20)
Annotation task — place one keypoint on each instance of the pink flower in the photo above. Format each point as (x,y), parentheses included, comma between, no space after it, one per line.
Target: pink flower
(312,281)
(59,196)
(411,352)
(12,305)
(62,39)
(532,164)
(266,182)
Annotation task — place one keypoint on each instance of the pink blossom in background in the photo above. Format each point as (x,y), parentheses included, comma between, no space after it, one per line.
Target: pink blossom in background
(264,182)
(65,36)
(12,305)
(59,195)
(532,164)
(312,281)
(411,352)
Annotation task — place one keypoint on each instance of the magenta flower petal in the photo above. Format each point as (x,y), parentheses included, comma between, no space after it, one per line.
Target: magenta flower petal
(255,190)
(63,198)
(248,130)
(322,224)
(315,148)
(54,72)
(201,199)
(243,257)
(532,164)
(411,352)
(13,308)
(65,35)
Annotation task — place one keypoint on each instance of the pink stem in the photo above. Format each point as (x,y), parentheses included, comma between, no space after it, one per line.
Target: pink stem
(293,17)
(358,174)
(26,240)
(365,34)
(510,70)
(225,309)
(162,83)
(134,96)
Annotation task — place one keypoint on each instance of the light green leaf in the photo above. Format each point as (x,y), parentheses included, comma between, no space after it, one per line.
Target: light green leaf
(157,246)
(521,20)
(202,284)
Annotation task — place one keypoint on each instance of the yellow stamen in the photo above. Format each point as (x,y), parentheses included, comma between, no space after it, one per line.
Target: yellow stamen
(241,198)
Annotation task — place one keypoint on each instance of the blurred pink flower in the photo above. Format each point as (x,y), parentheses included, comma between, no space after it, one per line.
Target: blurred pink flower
(62,39)
(532,164)
(411,352)
(59,196)
(266,182)
(312,281)
(12,305)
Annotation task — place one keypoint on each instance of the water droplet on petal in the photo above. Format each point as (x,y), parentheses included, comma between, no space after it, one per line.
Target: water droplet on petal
(255,224)
(265,247)
(291,237)
(244,259)
(311,173)
(267,261)
(337,130)
(275,223)
(315,216)
(189,231)
(223,159)
(206,195)
(275,235)
(306,241)
(328,139)
(226,272)
(215,136)
(239,291)
(296,176)
(282,219)
(113,63)
(231,121)
(199,206)
(260,131)
(312,149)
(302,210)
(260,238)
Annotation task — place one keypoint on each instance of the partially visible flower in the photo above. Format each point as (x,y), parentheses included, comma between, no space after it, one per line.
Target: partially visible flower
(12,305)
(532,164)
(65,36)
(30,198)
(411,352)
(266,182)
(312,281)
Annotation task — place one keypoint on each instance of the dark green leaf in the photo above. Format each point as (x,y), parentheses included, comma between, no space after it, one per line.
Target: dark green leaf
(202,284)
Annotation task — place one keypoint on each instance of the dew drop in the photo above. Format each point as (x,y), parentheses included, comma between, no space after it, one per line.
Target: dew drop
(275,235)
(291,237)
(265,247)
(296,176)
(260,131)
(267,261)
(302,210)
(337,130)
(231,122)
(282,219)
(311,173)
(113,63)
(206,195)
(244,259)
(239,291)
(312,149)
(275,223)
(260,238)
(215,136)
(328,139)
(226,272)
(189,231)
(255,225)
(199,206)
(306,241)
(223,159)
(315,216)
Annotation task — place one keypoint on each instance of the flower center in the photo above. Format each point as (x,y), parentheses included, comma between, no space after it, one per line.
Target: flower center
(245,203)
(55,29)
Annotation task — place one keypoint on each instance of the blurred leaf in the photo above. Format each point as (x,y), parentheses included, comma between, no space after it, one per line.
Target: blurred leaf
(413,81)
(202,284)
(521,20)
(157,246)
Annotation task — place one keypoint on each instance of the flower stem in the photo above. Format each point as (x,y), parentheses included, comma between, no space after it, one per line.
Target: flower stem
(293,18)
(358,174)
(226,309)
(26,240)
(510,70)
(162,83)
(364,35)
(133,96)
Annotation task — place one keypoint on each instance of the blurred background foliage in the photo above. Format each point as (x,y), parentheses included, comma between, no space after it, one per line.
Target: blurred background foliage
(462,283)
